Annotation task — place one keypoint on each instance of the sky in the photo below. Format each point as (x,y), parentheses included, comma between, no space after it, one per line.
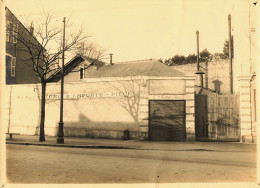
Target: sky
(139,29)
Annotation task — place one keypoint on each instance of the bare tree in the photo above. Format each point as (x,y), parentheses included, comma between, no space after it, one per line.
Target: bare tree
(91,50)
(41,54)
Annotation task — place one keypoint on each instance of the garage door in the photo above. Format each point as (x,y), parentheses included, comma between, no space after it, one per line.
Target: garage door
(167,120)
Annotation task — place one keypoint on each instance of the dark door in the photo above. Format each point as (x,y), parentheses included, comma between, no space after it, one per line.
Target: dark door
(167,120)
(201,117)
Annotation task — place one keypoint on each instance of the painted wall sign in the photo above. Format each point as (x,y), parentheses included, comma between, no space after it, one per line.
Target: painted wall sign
(159,87)
(164,97)
(78,96)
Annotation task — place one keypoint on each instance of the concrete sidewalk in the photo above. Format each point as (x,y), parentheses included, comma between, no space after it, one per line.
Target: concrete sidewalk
(133,144)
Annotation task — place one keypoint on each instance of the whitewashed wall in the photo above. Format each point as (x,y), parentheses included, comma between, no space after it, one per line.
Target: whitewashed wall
(95,108)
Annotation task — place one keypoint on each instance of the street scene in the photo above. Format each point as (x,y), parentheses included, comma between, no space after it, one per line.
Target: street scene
(147,91)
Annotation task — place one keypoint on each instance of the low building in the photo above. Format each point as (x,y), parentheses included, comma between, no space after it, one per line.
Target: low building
(146,99)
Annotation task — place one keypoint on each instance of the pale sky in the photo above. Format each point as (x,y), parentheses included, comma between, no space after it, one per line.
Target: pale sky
(140,29)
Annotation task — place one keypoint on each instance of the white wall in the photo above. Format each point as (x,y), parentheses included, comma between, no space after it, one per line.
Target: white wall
(96,108)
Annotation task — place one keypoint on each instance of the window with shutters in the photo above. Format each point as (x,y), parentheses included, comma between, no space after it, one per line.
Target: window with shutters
(11,32)
(7,30)
(13,64)
(15,32)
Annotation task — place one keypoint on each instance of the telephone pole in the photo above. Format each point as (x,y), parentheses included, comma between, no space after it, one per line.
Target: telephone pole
(230,55)
(60,138)
(200,73)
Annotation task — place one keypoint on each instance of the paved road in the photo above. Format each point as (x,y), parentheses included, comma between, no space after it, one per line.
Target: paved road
(38,164)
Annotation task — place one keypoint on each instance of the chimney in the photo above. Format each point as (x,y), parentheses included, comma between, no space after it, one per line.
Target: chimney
(31,28)
(111,62)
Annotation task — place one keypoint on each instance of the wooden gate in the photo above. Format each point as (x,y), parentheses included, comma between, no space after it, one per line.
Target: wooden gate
(167,120)
(217,117)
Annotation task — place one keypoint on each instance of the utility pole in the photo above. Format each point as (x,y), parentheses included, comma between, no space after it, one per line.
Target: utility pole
(198,63)
(230,55)
(60,138)
(198,51)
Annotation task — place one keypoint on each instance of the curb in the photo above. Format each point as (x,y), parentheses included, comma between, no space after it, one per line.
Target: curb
(73,146)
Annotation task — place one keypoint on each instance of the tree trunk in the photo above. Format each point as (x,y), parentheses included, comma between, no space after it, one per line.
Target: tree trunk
(42,134)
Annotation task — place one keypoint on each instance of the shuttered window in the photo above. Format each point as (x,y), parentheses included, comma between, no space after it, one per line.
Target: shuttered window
(11,32)
(13,65)
(15,33)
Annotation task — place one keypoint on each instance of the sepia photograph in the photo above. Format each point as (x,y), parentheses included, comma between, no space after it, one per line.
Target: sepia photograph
(129,92)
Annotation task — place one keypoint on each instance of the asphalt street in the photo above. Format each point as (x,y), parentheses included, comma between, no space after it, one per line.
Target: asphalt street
(37,164)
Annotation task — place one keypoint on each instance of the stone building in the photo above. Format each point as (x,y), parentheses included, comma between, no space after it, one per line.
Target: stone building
(146,98)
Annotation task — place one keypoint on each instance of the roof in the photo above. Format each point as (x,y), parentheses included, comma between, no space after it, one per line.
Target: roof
(138,68)
(72,64)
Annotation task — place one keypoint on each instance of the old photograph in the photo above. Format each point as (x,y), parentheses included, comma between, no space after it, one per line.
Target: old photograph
(129,92)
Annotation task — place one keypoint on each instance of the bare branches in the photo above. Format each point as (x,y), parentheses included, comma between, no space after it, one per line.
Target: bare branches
(130,100)
(91,50)
(39,43)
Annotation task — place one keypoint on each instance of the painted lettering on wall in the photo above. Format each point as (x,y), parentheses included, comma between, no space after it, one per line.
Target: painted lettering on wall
(166,97)
(78,96)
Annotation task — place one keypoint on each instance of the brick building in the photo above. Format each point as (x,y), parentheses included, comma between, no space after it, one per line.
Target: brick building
(17,59)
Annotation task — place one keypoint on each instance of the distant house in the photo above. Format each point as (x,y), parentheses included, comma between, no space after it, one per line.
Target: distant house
(17,59)
(76,69)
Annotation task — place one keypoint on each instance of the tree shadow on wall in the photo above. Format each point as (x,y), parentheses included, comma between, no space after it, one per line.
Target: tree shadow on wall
(85,127)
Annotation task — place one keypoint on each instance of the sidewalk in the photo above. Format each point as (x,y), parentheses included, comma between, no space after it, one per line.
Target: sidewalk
(133,144)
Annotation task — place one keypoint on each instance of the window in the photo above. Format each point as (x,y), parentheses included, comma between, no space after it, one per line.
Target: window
(13,64)
(15,33)
(11,32)
(7,31)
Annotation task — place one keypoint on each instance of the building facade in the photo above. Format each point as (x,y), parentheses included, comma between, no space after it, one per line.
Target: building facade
(147,99)
(18,69)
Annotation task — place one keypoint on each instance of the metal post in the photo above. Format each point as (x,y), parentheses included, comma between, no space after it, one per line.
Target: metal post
(230,55)
(198,52)
(198,63)
(206,75)
(60,138)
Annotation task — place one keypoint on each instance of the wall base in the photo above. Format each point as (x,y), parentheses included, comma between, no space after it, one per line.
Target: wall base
(190,138)
(248,139)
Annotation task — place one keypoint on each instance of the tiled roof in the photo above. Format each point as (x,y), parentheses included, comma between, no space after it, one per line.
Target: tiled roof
(138,68)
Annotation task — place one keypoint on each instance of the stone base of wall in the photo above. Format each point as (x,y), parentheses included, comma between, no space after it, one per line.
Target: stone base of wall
(190,138)
(99,133)
(143,136)
(248,139)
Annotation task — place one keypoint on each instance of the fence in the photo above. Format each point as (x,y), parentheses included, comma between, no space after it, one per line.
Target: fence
(217,117)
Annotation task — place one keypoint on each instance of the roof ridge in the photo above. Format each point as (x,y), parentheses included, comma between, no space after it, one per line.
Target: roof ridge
(136,61)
